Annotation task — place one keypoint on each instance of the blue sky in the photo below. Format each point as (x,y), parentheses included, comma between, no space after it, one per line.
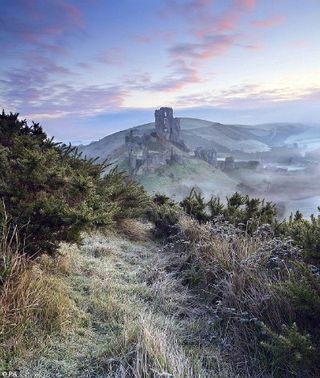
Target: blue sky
(87,68)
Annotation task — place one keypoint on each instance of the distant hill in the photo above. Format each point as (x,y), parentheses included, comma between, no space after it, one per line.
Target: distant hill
(198,132)
(265,143)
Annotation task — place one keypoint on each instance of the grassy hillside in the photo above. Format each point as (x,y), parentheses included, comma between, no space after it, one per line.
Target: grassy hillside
(177,180)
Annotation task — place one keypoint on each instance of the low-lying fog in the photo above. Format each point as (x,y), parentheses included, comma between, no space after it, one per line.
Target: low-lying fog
(289,177)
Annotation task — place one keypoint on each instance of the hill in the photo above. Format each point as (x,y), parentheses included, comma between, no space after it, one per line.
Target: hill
(225,138)
(268,160)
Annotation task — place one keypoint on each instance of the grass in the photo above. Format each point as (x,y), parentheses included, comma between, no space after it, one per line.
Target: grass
(242,278)
(176,180)
(34,304)
(211,302)
(132,317)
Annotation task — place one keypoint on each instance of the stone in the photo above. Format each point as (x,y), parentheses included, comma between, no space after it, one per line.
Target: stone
(207,154)
(167,127)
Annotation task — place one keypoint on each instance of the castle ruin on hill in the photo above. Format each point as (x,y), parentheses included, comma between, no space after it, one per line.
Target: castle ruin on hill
(164,145)
(152,150)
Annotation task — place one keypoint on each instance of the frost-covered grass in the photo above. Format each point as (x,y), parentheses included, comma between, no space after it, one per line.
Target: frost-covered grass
(133,318)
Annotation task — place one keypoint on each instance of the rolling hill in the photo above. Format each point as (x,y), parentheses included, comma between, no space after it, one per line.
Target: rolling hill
(267,143)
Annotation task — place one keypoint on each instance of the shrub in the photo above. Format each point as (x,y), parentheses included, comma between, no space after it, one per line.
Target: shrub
(52,194)
(303,291)
(164,214)
(306,234)
(129,198)
(292,352)
(195,206)
(249,213)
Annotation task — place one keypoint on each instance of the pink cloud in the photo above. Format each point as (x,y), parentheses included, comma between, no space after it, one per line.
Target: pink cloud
(248,4)
(206,23)
(209,47)
(181,76)
(269,22)
(74,14)
(186,8)
(41,24)
(212,34)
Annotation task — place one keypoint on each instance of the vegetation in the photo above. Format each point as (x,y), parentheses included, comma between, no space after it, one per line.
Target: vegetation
(52,194)
(255,274)
(49,194)
(217,289)
(164,213)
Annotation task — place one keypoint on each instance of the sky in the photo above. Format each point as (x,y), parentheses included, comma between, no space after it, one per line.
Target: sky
(87,68)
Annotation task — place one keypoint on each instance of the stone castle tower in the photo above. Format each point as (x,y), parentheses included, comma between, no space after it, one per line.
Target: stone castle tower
(167,127)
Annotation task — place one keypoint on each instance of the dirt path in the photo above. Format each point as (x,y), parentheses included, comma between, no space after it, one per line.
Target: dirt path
(131,319)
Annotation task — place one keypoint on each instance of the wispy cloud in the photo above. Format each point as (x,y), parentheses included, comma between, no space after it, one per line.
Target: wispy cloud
(249,96)
(39,24)
(181,76)
(208,47)
(211,34)
(37,91)
(269,22)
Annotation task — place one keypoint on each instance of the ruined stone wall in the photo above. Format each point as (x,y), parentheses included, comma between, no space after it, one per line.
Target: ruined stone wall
(167,127)
(207,154)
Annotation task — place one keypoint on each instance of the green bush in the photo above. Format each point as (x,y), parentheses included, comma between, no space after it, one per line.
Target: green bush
(292,352)
(165,215)
(52,194)
(303,292)
(129,198)
(306,234)
(249,213)
(195,206)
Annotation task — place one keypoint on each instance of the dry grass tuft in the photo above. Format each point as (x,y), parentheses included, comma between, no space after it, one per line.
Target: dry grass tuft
(33,302)
(147,347)
(134,230)
(63,263)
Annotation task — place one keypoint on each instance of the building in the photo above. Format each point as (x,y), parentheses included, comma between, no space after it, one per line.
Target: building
(167,127)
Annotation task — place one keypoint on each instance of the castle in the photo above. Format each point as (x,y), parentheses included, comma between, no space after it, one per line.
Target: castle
(163,145)
(167,127)
(150,151)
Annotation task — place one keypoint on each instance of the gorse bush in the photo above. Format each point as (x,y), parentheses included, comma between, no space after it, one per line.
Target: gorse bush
(52,194)
(239,210)
(303,290)
(165,214)
(194,204)
(289,352)
(306,234)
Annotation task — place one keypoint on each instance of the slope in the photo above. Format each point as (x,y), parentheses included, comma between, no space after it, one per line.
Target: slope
(134,318)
